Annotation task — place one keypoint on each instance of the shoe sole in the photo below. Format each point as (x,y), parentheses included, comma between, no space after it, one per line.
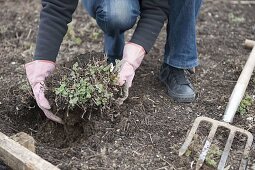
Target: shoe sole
(179,98)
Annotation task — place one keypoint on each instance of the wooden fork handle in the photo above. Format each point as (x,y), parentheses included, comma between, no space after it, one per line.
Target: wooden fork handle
(249,43)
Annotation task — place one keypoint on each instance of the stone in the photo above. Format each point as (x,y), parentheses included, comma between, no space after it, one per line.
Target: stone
(25,140)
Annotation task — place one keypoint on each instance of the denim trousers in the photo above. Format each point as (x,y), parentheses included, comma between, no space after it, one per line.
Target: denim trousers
(181,47)
(115,17)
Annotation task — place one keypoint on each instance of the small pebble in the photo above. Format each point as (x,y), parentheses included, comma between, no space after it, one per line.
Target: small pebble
(250,118)
(189,109)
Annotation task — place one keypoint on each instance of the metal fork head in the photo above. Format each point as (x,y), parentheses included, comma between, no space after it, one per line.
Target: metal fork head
(215,124)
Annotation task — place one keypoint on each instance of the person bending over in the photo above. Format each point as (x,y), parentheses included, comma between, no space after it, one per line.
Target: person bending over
(114,17)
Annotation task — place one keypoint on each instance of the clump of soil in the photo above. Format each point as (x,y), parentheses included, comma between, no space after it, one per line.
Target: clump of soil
(82,87)
(78,117)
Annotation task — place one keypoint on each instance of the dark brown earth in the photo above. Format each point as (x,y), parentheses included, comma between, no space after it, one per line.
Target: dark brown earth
(149,128)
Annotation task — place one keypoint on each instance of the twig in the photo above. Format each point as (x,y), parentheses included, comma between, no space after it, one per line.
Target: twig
(151,138)
(164,167)
(151,100)
(92,156)
(166,162)
(29,33)
(222,80)
(33,130)
(243,2)
(97,167)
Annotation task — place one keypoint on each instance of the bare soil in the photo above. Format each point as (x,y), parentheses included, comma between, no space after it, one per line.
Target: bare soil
(149,128)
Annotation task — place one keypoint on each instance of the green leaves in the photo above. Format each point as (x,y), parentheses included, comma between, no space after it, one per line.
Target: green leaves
(213,155)
(93,86)
(62,90)
(72,35)
(245,104)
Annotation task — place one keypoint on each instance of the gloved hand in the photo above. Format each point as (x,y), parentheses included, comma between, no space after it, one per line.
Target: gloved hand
(133,55)
(36,72)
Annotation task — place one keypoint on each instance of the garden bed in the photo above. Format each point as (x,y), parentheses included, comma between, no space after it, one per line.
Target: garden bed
(149,128)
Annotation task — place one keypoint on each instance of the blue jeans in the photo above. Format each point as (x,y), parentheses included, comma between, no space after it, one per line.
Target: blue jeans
(181,48)
(114,17)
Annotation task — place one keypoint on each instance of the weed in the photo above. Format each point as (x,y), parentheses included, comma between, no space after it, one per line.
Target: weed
(235,19)
(91,87)
(96,34)
(3,29)
(213,154)
(194,151)
(245,104)
(24,86)
(72,35)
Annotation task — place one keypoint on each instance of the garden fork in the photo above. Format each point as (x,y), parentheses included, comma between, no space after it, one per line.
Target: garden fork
(229,114)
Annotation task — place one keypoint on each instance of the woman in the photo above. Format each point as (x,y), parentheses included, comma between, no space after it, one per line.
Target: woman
(114,17)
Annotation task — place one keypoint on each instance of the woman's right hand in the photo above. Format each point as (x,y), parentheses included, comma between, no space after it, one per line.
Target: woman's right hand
(133,55)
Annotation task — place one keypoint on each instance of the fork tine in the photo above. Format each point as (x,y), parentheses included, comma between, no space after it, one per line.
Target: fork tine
(206,147)
(246,152)
(226,151)
(188,140)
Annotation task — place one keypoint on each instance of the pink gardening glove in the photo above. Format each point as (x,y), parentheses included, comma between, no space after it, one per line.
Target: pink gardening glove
(36,72)
(133,55)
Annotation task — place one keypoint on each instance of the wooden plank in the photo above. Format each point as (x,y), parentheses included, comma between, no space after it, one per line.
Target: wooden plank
(18,157)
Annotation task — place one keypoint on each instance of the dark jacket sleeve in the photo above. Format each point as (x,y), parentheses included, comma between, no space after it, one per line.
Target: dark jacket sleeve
(153,15)
(54,17)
